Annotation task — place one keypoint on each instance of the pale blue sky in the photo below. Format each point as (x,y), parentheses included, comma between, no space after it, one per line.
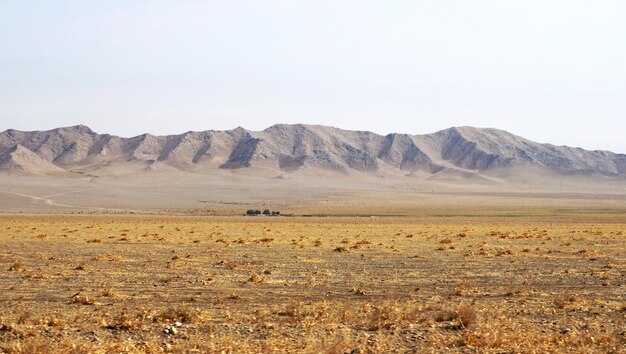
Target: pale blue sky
(551,71)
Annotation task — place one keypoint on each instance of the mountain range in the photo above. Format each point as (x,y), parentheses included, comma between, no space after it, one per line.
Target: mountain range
(286,148)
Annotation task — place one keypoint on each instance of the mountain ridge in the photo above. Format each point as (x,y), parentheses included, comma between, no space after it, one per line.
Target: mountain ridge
(292,147)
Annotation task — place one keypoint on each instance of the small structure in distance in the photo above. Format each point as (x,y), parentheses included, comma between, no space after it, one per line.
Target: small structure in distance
(266,212)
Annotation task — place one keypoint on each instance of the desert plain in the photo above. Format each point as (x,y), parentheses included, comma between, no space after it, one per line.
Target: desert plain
(542,281)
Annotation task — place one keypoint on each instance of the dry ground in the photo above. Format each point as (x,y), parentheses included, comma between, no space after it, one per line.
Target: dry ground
(341,285)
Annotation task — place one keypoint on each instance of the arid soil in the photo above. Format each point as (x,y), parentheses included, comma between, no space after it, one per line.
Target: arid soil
(105,284)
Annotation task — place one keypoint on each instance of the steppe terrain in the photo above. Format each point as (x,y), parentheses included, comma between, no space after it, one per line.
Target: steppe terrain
(100,284)
(465,240)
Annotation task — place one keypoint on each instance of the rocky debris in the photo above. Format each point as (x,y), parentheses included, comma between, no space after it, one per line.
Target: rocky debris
(173,328)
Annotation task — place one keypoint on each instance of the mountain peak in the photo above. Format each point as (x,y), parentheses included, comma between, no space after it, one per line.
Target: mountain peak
(80,128)
(288,147)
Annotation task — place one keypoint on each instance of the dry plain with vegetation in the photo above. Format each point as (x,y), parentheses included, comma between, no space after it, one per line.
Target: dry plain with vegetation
(106,284)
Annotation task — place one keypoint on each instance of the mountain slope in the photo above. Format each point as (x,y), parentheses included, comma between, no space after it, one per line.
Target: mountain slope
(21,160)
(459,151)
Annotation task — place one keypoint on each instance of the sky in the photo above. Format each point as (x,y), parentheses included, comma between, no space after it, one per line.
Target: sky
(551,70)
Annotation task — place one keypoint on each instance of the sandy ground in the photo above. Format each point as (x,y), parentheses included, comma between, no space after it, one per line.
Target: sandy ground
(228,192)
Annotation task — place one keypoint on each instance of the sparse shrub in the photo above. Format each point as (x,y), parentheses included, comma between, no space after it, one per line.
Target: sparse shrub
(109,258)
(82,300)
(562,300)
(291,310)
(17,267)
(7,328)
(384,316)
(51,322)
(255,278)
(445,316)
(24,318)
(460,290)
(180,314)
(125,323)
(504,253)
(108,292)
(357,291)
(466,315)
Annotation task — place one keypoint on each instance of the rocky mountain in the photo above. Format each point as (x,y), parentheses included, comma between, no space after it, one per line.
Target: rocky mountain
(288,148)
(20,159)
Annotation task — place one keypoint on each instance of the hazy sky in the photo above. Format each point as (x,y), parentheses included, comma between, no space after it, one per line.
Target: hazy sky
(552,71)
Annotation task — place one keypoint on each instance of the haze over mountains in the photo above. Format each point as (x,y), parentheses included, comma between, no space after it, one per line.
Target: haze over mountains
(461,151)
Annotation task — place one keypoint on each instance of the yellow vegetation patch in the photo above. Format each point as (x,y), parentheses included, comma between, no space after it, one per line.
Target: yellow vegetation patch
(361,285)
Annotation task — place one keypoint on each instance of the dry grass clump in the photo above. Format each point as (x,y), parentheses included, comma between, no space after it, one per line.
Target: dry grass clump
(384,316)
(342,249)
(53,321)
(179,314)
(82,300)
(124,322)
(256,278)
(310,314)
(356,290)
(109,258)
(460,290)
(504,253)
(464,315)
(17,267)
(445,315)
(561,301)
(108,292)
(614,266)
